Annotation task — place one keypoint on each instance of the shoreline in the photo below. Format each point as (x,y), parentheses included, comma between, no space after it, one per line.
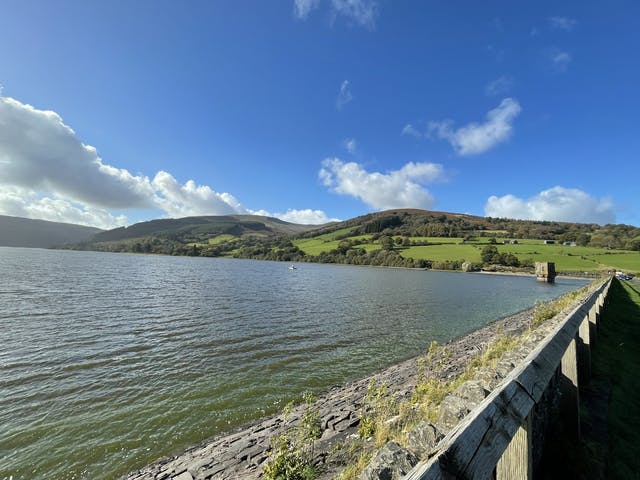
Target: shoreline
(242,452)
(587,275)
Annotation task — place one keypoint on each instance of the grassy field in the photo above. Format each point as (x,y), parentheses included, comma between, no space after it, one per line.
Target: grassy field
(441,253)
(617,358)
(220,238)
(328,242)
(566,258)
(627,261)
(609,406)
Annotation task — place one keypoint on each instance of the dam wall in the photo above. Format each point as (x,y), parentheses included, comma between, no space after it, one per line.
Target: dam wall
(502,436)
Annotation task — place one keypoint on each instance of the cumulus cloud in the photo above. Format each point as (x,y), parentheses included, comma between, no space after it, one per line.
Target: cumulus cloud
(562,23)
(306,217)
(189,199)
(20,202)
(402,188)
(477,138)
(46,172)
(499,86)
(557,203)
(39,152)
(344,95)
(302,8)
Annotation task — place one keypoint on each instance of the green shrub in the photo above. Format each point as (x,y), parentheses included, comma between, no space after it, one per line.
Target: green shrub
(292,453)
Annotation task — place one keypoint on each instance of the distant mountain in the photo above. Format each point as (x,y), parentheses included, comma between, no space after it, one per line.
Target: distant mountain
(194,229)
(191,235)
(252,236)
(26,232)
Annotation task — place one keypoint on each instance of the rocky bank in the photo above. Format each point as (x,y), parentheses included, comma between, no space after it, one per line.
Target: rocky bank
(241,454)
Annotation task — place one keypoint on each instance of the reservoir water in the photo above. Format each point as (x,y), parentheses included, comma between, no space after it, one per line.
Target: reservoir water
(109,361)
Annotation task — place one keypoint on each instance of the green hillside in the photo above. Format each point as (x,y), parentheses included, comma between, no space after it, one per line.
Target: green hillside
(190,235)
(403,238)
(25,232)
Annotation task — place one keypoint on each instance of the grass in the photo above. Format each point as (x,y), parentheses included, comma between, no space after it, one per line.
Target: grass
(609,405)
(430,392)
(441,253)
(620,261)
(566,258)
(617,357)
(315,246)
(221,238)
(436,240)
(292,454)
(387,418)
(546,310)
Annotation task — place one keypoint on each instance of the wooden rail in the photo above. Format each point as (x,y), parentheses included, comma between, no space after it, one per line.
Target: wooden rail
(496,437)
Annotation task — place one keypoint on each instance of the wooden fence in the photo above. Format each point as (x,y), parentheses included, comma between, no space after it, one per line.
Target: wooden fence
(496,437)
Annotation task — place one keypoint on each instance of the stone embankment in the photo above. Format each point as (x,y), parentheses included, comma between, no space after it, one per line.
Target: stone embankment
(241,454)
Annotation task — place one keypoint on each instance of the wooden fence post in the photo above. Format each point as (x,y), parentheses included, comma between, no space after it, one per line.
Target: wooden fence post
(569,398)
(517,459)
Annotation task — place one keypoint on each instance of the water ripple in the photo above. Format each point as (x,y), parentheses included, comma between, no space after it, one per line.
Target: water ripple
(109,361)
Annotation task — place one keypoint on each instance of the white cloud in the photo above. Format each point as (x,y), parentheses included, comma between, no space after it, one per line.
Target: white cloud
(350,145)
(499,86)
(411,130)
(479,137)
(39,152)
(402,188)
(557,203)
(306,217)
(46,172)
(303,217)
(562,23)
(189,199)
(344,96)
(302,8)
(362,12)
(20,202)
(559,60)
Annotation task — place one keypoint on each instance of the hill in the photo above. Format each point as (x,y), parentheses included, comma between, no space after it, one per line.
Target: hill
(452,241)
(25,232)
(193,229)
(403,237)
(190,235)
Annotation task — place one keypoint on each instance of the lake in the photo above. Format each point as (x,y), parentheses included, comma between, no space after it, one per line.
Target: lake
(109,361)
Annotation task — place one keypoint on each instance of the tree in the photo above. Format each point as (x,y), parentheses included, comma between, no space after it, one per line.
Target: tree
(386,242)
(489,253)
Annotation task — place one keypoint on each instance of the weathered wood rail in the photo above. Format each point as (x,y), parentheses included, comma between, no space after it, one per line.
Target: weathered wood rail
(495,439)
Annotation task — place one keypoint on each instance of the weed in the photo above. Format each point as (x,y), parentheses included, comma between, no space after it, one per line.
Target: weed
(353,471)
(546,310)
(378,407)
(292,453)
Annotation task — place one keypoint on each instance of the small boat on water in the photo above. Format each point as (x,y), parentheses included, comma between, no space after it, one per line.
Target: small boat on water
(292,267)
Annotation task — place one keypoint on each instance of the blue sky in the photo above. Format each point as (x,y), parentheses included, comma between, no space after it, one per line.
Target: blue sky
(310,110)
